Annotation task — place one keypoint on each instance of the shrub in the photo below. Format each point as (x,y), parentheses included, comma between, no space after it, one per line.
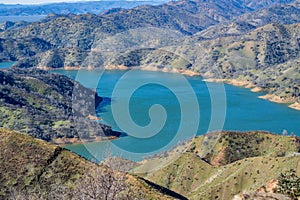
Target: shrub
(289,183)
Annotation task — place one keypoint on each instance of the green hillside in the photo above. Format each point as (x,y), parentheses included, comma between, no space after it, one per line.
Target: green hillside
(222,165)
(33,169)
(266,57)
(47,106)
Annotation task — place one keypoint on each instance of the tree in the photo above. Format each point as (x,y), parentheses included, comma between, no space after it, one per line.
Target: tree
(101,184)
(108,181)
(289,183)
(284,132)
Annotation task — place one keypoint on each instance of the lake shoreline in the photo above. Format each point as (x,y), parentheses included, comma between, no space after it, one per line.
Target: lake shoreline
(239,83)
(73,141)
(247,84)
(277,99)
(124,68)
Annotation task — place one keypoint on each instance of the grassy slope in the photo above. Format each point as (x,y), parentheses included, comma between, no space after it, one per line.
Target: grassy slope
(259,158)
(32,164)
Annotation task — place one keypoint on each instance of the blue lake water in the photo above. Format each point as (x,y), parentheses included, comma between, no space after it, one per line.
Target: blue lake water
(181,100)
(4,65)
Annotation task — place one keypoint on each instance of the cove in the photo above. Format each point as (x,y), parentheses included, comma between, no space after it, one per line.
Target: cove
(244,111)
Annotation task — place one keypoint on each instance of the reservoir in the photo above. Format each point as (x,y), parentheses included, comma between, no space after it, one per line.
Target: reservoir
(176,100)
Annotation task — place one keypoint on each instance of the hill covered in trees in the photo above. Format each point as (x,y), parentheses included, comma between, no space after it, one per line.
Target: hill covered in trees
(50,107)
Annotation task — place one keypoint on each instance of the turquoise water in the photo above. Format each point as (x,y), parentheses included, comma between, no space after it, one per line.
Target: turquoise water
(4,65)
(240,108)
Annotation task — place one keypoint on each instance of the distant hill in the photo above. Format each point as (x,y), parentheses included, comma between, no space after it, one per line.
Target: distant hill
(278,14)
(222,165)
(33,169)
(266,57)
(257,4)
(85,31)
(94,7)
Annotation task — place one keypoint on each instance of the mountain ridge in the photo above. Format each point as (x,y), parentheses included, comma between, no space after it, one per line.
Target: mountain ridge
(80,7)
